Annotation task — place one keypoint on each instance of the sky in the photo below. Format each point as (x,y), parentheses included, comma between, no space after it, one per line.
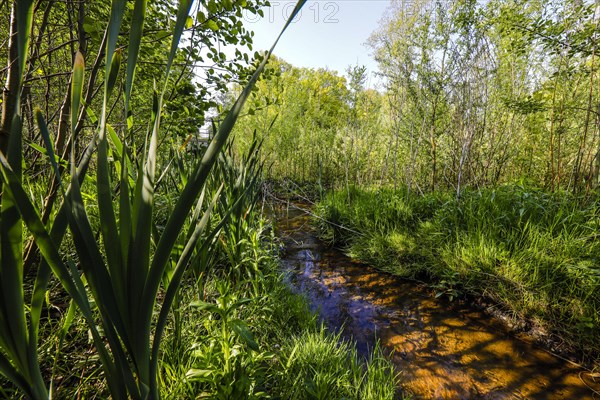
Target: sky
(328,34)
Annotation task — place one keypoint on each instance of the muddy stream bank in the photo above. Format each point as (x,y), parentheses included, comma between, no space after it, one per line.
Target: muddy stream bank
(443,349)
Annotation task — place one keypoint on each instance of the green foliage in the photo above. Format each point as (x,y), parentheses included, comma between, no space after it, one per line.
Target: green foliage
(18,331)
(472,94)
(300,115)
(243,321)
(311,370)
(533,252)
(135,234)
(245,341)
(120,277)
(229,362)
(237,204)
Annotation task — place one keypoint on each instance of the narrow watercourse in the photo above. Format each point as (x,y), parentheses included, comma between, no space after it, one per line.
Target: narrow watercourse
(443,349)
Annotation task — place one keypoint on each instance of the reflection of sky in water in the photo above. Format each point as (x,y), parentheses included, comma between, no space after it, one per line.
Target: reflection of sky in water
(444,350)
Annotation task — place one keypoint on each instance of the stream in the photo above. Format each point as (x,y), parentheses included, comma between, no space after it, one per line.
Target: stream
(442,349)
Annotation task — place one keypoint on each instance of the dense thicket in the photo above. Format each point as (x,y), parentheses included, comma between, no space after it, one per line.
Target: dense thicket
(472,94)
(105,215)
(60,29)
(201,72)
(147,268)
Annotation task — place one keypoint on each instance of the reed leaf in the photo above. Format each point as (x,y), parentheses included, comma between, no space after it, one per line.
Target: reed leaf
(49,251)
(76,88)
(123,280)
(135,38)
(198,177)
(183,11)
(24,23)
(19,361)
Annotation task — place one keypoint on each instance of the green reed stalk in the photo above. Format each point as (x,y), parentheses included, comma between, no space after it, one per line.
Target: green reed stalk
(123,280)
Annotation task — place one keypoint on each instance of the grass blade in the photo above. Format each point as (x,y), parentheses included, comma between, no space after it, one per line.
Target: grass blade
(182,14)
(76,88)
(135,38)
(194,186)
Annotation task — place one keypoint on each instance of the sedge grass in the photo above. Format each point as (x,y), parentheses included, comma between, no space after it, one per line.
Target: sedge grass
(535,253)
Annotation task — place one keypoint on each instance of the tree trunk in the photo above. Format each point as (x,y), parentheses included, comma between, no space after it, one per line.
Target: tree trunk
(10,93)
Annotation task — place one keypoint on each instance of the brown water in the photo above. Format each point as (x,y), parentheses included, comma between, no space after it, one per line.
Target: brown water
(444,350)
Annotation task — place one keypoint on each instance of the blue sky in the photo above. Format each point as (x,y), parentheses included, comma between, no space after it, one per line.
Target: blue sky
(327,34)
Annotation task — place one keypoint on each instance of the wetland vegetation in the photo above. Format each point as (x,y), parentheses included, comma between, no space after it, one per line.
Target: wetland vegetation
(142,144)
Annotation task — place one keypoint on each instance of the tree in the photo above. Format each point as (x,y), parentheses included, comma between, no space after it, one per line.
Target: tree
(121,272)
(497,91)
(299,114)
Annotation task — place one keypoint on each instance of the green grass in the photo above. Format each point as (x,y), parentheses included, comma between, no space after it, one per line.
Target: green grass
(119,274)
(294,357)
(309,368)
(281,352)
(239,333)
(535,253)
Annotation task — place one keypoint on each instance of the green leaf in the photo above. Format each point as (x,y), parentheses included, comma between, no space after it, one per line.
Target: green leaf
(24,10)
(91,115)
(90,25)
(114,27)
(241,302)
(114,72)
(212,6)
(13,326)
(212,25)
(48,143)
(210,307)
(135,37)
(183,12)
(242,330)
(182,263)
(199,374)
(42,150)
(49,251)
(76,88)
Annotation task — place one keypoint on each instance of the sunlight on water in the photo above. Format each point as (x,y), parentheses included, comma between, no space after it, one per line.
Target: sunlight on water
(444,350)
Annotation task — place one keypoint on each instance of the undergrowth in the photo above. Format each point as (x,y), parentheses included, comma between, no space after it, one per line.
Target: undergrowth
(236,331)
(532,252)
(240,344)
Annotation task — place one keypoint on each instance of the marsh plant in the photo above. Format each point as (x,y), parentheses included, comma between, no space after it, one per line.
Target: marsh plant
(229,361)
(533,252)
(117,276)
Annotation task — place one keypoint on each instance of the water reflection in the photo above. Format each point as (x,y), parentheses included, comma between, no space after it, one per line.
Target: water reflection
(444,350)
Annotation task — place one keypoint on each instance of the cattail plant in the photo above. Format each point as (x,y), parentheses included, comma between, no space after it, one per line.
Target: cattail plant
(123,274)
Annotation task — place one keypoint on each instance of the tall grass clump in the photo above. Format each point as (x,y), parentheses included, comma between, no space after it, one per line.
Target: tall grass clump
(237,204)
(533,252)
(267,346)
(114,282)
(310,369)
